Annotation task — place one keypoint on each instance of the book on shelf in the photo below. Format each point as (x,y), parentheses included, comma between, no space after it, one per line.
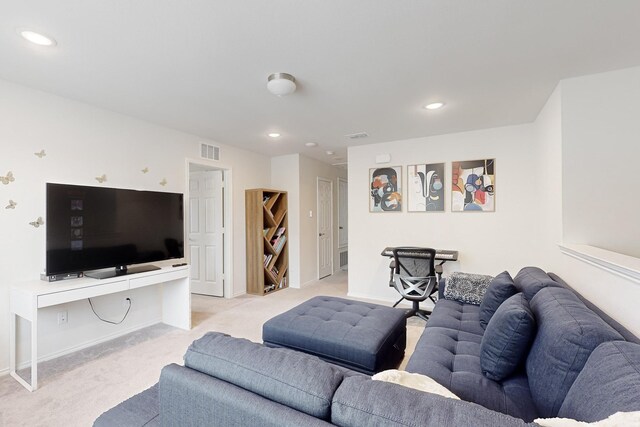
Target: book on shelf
(267,258)
(265,231)
(280,243)
(265,199)
(274,270)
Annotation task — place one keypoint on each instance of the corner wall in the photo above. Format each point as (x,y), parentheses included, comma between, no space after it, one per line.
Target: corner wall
(81,143)
(488,243)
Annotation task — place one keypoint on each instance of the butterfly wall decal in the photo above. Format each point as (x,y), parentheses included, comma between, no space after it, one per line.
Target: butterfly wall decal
(145,170)
(11,205)
(101,179)
(7,179)
(41,154)
(38,222)
(163,182)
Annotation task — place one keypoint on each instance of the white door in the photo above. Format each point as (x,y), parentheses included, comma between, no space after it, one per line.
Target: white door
(343,223)
(325,228)
(206,232)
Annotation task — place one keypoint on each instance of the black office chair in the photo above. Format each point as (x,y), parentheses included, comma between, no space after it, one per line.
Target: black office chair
(414,277)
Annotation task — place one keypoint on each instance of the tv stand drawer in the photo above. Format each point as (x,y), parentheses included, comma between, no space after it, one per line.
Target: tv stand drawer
(160,277)
(69,295)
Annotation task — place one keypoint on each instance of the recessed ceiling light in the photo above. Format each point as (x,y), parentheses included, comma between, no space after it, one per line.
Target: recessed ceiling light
(37,38)
(311,144)
(274,134)
(434,105)
(329,153)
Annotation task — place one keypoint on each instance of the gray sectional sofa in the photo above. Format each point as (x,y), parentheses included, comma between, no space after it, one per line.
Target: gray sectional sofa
(576,364)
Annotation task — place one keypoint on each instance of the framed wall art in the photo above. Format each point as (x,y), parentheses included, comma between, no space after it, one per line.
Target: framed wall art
(425,188)
(473,186)
(385,186)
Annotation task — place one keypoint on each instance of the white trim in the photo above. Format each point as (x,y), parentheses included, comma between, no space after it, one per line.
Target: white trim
(621,265)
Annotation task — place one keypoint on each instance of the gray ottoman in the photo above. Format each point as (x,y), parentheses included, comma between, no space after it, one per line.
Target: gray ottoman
(365,337)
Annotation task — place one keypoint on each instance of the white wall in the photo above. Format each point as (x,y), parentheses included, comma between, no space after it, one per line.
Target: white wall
(285,175)
(83,142)
(588,133)
(601,151)
(488,242)
(548,127)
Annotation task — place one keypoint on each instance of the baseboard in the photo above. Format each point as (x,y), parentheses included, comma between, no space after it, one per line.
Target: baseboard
(425,304)
(84,345)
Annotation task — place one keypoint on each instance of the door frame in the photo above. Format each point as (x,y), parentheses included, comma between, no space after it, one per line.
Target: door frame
(318,179)
(227,211)
(342,180)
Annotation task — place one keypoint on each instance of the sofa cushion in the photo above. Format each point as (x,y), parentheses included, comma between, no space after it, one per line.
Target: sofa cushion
(449,352)
(507,339)
(530,280)
(414,381)
(295,379)
(467,288)
(499,290)
(139,410)
(608,383)
(567,334)
(359,401)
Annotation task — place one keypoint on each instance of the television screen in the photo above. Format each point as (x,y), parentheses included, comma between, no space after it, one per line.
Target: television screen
(90,228)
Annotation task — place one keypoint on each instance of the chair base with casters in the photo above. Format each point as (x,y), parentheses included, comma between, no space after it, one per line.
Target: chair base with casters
(414,277)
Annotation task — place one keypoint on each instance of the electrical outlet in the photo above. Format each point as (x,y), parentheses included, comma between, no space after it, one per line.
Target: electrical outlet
(62,317)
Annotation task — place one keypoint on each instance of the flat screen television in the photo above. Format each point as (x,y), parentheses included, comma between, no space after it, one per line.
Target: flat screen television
(92,228)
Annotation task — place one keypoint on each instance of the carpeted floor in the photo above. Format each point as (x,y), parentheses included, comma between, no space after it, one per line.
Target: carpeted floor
(75,389)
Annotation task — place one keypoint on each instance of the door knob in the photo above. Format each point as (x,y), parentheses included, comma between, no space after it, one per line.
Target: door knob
(321,234)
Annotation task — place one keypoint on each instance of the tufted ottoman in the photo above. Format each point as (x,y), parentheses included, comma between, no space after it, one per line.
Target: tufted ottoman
(364,337)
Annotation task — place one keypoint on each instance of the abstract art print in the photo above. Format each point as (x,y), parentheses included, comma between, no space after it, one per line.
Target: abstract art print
(425,188)
(385,189)
(473,186)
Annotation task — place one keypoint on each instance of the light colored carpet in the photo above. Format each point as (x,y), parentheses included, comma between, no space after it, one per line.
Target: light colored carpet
(75,389)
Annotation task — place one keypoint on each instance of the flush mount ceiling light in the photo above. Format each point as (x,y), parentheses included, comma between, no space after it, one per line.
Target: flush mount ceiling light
(36,38)
(274,135)
(434,105)
(329,153)
(281,84)
(311,144)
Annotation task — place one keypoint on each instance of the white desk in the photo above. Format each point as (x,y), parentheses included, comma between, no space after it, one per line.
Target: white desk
(28,297)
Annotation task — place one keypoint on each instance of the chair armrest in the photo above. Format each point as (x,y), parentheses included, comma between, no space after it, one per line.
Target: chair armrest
(441,286)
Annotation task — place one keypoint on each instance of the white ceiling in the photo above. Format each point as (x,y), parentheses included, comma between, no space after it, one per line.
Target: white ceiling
(201,66)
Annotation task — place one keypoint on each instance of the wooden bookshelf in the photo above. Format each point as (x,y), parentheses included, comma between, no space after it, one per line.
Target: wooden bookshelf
(267,241)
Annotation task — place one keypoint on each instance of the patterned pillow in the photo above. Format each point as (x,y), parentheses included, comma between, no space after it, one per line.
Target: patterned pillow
(467,288)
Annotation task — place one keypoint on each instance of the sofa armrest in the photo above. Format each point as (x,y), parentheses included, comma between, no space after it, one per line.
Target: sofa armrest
(360,401)
(191,398)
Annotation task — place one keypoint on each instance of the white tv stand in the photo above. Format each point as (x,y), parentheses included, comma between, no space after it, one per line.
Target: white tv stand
(28,297)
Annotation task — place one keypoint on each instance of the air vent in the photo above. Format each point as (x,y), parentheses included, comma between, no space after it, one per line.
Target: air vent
(210,152)
(357,135)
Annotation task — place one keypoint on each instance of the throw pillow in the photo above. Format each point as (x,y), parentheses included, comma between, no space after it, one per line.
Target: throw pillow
(466,288)
(507,338)
(499,290)
(415,381)
(619,419)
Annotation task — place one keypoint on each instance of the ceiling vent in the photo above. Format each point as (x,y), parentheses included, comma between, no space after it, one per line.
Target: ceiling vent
(358,135)
(210,152)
